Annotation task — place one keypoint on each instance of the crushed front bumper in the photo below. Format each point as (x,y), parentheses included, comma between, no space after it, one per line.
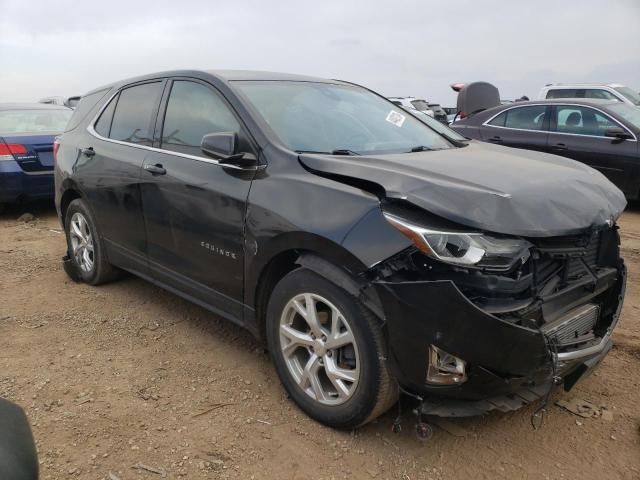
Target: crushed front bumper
(508,365)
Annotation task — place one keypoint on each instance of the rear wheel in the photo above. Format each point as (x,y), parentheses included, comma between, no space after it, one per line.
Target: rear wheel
(328,350)
(86,252)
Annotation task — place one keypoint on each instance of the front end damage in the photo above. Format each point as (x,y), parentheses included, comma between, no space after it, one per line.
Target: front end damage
(514,334)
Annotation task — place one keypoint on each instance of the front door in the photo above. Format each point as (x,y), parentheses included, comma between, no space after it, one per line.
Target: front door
(578,132)
(193,207)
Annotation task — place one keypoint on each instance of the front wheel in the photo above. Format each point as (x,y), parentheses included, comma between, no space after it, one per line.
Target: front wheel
(329,351)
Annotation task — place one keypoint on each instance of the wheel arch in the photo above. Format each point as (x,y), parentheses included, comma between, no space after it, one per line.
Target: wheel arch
(71,192)
(320,255)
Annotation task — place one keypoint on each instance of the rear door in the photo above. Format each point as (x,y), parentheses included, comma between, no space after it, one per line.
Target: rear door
(194,208)
(109,163)
(524,126)
(578,132)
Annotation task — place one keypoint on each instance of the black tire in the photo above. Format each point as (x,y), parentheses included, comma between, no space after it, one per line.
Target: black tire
(102,270)
(376,390)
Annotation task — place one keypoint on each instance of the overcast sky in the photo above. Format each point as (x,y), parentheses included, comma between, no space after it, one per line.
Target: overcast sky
(413,47)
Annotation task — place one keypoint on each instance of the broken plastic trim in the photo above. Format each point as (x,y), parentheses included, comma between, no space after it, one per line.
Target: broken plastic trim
(445,368)
(71,269)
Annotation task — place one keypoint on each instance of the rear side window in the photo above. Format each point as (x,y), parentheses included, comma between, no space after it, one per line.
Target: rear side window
(134,114)
(581,93)
(565,93)
(193,111)
(103,126)
(598,93)
(522,118)
(85,105)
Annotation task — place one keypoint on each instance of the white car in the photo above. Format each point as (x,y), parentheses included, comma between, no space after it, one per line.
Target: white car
(609,91)
(70,102)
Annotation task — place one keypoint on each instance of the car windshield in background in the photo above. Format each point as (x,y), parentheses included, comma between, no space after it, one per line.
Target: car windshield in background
(33,121)
(439,126)
(325,118)
(629,94)
(420,104)
(629,113)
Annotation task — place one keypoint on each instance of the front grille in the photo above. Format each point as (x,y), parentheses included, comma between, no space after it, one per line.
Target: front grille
(564,259)
(574,327)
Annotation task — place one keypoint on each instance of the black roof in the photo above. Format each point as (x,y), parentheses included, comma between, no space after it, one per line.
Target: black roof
(223,75)
(231,75)
(31,106)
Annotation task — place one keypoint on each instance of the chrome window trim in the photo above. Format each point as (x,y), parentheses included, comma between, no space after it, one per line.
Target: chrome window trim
(92,131)
(559,104)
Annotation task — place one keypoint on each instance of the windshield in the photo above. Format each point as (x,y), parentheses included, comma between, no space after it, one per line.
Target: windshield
(629,94)
(420,104)
(33,121)
(629,113)
(324,118)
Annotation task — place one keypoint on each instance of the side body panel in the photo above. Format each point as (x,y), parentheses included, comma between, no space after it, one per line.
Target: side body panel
(291,208)
(110,180)
(193,217)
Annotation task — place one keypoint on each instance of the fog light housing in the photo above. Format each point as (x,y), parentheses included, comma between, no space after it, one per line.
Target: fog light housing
(444,368)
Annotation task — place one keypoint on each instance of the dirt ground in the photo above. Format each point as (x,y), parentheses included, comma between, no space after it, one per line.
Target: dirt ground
(127,381)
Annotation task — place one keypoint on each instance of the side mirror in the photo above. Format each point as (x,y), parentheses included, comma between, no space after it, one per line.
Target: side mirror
(18,457)
(219,145)
(222,147)
(617,133)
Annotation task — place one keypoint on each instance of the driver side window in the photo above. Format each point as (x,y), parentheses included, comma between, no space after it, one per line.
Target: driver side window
(194,110)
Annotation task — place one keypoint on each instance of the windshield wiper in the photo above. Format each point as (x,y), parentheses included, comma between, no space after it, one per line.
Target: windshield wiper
(421,148)
(343,151)
(312,151)
(338,151)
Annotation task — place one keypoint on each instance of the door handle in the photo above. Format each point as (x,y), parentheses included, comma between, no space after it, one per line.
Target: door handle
(88,152)
(559,147)
(495,139)
(156,169)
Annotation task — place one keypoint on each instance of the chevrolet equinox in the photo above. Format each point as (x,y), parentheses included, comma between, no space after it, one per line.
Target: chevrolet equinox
(374,252)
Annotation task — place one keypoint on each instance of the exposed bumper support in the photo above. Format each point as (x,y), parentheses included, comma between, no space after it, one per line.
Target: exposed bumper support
(585,353)
(509,366)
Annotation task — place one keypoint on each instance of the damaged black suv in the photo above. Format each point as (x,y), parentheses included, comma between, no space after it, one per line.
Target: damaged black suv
(375,252)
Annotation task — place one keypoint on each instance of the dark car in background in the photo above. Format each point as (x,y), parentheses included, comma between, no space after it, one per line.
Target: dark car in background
(600,133)
(372,250)
(27,132)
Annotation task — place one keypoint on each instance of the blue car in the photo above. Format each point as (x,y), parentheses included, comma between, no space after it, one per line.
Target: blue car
(27,133)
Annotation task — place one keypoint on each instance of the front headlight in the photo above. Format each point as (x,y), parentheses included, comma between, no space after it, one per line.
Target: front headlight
(467,249)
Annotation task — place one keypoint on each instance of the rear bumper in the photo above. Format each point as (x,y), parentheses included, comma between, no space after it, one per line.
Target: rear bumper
(16,184)
(508,366)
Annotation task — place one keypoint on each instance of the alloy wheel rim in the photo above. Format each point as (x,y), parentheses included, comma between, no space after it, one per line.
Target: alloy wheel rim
(82,247)
(319,349)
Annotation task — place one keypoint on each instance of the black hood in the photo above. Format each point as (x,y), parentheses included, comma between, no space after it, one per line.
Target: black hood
(488,187)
